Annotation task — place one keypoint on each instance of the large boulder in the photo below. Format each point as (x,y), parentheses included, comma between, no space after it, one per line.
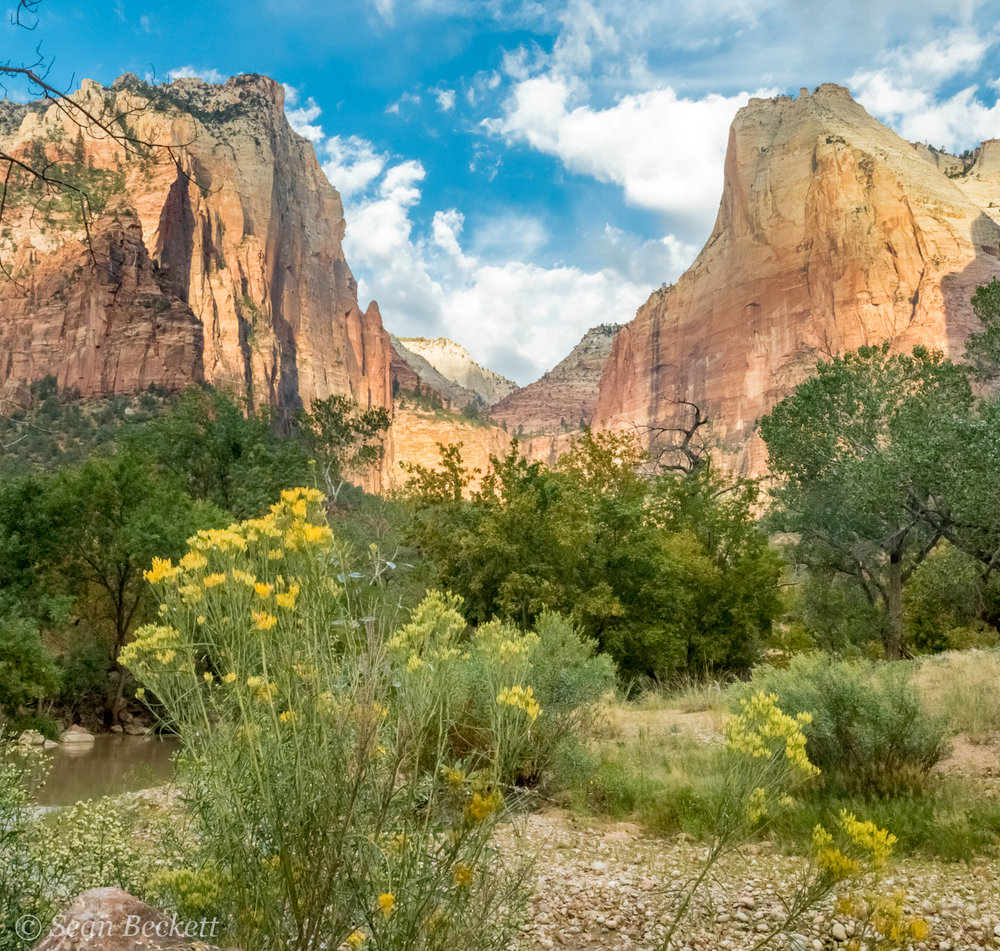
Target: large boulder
(77,735)
(112,920)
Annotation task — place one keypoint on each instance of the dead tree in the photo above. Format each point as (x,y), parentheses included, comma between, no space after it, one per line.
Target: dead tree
(681,447)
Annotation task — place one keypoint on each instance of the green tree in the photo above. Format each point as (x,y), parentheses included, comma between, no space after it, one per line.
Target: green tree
(222,452)
(982,350)
(668,575)
(109,517)
(347,442)
(859,451)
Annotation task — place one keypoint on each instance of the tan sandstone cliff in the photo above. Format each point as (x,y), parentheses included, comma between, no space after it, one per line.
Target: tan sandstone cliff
(832,232)
(216,250)
(449,368)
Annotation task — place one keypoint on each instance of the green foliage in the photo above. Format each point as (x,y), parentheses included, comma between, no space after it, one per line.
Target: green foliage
(870,732)
(28,672)
(829,612)
(667,575)
(222,452)
(24,887)
(346,441)
(107,518)
(563,676)
(946,601)
(861,450)
(982,350)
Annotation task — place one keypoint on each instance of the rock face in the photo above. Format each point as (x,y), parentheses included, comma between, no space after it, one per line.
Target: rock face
(216,251)
(112,920)
(564,398)
(832,232)
(416,434)
(412,372)
(455,365)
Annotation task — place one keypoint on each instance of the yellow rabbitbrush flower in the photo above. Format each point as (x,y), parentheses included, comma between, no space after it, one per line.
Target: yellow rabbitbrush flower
(229,678)
(193,561)
(761,729)
(218,539)
(876,843)
(387,902)
(286,599)
(464,875)
(264,591)
(162,570)
(262,621)
(213,581)
(243,577)
(152,640)
(522,698)
(479,808)
(356,938)
(288,716)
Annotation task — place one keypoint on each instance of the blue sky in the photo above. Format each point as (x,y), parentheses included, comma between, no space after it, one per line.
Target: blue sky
(516,171)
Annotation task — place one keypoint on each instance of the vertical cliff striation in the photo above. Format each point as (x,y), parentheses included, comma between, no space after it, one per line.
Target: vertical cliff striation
(832,233)
(216,250)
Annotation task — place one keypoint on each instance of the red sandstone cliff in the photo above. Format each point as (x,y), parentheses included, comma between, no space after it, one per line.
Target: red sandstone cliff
(833,232)
(218,260)
(563,399)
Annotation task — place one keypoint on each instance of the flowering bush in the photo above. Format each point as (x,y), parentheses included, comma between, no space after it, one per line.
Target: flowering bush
(519,695)
(318,755)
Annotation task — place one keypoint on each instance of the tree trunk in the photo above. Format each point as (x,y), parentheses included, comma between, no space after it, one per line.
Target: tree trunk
(894,603)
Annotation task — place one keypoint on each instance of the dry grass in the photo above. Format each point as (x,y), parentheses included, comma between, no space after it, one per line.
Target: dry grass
(965,688)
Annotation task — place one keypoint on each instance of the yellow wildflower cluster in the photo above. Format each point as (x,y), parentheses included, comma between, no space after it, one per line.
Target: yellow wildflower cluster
(243,577)
(288,717)
(876,843)
(162,570)
(264,591)
(760,729)
(286,599)
(453,777)
(355,939)
(463,875)
(153,640)
(521,697)
(414,663)
(387,902)
(870,847)
(214,580)
(480,807)
(263,621)
(218,539)
(193,561)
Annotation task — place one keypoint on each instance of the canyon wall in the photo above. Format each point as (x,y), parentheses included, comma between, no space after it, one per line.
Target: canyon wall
(832,233)
(214,249)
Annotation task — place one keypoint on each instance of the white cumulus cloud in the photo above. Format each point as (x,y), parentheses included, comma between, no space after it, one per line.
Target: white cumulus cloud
(207,75)
(665,151)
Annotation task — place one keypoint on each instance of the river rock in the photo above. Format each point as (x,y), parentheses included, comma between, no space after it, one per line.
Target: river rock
(31,738)
(135,729)
(117,728)
(50,745)
(112,920)
(76,734)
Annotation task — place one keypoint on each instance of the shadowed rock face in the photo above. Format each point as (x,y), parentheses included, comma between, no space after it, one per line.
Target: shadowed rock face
(832,233)
(220,260)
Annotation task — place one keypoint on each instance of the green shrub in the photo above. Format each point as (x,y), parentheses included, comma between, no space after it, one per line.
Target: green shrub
(316,757)
(870,732)
(559,668)
(24,885)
